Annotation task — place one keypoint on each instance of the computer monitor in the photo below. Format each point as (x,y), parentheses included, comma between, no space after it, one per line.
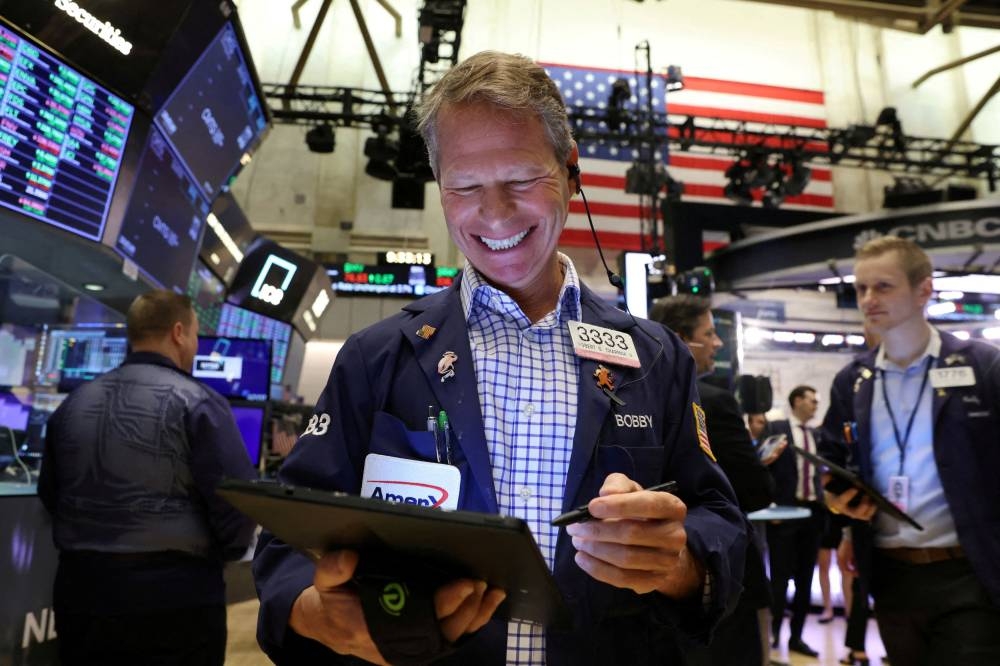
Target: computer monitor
(235,367)
(207,294)
(243,323)
(250,419)
(227,237)
(78,355)
(165,218)
(215,118)
(62,136)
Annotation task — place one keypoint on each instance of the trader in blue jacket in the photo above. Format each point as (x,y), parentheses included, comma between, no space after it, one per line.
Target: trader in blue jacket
(918,418)
(131,463)
(553,398)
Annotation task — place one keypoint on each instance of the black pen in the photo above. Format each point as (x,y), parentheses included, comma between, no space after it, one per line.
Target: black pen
(582,514)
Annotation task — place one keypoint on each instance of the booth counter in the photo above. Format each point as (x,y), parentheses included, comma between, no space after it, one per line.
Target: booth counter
(28,562)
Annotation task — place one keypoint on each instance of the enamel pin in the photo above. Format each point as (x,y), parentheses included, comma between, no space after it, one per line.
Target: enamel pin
(426,331)
(446,366)
(605,380)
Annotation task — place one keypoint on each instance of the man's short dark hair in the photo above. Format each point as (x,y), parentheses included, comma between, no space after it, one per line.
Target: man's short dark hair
(798,393)
(680,313)
(154,313)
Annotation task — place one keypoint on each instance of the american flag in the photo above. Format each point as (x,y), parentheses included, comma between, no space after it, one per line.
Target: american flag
(616,214)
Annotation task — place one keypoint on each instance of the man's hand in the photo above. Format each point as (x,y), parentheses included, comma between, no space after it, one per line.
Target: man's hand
(639,541)
(330,612)
(864,510)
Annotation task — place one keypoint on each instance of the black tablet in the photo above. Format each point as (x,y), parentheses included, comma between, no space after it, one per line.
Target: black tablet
(497,549)
(848,478)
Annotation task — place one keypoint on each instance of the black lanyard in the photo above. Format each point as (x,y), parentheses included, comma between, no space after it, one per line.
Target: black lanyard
(901,443)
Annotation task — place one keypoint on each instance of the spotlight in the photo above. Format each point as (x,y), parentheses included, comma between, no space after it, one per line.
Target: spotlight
(620,94)
(321,139)
(412,160)
(759,173)
(381,153)
(645,178)
(738,189)
(796,181)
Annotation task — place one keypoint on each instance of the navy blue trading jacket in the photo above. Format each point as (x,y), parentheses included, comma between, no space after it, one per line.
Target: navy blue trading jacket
(376,401)
(966,446)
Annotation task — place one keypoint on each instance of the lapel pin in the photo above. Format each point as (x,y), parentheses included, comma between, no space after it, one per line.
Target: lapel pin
(446,366)
(426,331)
(954,359)
(605,380)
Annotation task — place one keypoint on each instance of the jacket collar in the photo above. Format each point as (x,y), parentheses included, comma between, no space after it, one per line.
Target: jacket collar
(152,358)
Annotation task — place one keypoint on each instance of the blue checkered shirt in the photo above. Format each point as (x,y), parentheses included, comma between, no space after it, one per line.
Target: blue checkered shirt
(527,377)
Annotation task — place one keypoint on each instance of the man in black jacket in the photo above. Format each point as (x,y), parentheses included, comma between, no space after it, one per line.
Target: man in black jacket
(691,318)
(794,545)
(131,463)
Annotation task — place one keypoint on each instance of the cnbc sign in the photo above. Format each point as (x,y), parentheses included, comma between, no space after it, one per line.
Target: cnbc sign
(937,233)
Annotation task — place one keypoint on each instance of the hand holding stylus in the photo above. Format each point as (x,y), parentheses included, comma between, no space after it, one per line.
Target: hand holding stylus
(638,542)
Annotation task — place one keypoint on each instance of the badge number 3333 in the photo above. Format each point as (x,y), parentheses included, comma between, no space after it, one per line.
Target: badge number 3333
(603,344)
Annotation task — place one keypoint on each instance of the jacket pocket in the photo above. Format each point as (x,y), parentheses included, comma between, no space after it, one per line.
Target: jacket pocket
(391,437)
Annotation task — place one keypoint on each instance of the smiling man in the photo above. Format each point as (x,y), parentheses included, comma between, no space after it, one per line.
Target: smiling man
(923,412)
(536,424)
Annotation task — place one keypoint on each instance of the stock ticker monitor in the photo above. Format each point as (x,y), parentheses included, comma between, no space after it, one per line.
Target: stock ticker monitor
(242,323)
(214,119)
(207,294)
(165,217)
(235,367)
(77,355)
(61,139)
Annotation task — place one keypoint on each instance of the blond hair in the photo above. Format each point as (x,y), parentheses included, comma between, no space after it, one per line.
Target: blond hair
(506,81)
(913,260)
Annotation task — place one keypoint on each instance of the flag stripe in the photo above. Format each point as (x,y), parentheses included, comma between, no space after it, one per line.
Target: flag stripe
(763,105)
(692,161)
(728,138)
(754,90)
(748,116)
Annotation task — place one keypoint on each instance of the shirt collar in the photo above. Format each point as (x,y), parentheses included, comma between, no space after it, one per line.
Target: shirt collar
(479,295)
(933,349)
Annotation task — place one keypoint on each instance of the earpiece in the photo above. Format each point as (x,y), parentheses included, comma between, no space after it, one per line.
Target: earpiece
(574,174)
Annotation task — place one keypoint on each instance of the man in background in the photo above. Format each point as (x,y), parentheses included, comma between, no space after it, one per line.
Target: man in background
(131,463)
(793,545)
(691,318)
(918,419)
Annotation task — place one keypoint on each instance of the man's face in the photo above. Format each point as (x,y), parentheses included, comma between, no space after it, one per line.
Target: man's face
(704,344)
(756,424)
(189,344)
(805,407)
(504,193)
(885,296)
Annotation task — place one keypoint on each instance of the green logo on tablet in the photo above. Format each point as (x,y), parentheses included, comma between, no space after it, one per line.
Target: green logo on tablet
(393,598)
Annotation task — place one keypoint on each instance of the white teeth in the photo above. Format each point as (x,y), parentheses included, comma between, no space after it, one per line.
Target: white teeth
(504,244)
